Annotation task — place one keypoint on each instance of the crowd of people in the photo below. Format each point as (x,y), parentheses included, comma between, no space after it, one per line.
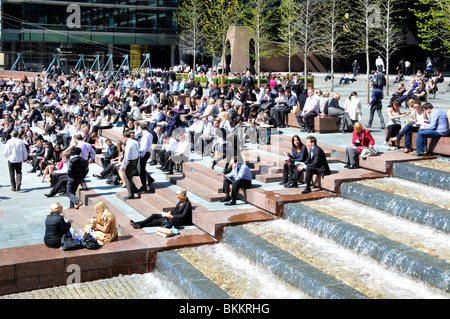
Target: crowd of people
(159,125)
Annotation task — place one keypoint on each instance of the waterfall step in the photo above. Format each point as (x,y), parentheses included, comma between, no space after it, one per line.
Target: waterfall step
(409,208)
(189,279)
(412,262)
(424,175)
(307,278)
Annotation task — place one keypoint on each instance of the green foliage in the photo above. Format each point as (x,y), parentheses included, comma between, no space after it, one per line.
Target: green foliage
(433,24)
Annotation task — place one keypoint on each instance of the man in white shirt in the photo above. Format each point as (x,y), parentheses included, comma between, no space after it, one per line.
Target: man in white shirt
(181,153)
(170,146)
(379,63)
(16,153)
(145,147)
(310,110)
(129,164)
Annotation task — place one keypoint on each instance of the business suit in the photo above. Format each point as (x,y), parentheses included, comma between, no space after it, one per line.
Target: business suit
(316,163)
(111,152)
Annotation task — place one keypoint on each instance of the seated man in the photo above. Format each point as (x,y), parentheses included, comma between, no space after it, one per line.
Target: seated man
(437,126)
(316,163)
(181,154)
(310,110)
(239,177)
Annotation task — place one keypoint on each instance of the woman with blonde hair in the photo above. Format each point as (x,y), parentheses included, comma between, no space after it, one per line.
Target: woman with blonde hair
(361,140)
(104,224)
(181,215)
(55,226)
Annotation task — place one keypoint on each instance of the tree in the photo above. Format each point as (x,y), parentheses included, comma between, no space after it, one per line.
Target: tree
(433,24)
(189,16)
(308,36)
(258,17)
(389,40)
(219,16)
(363,31)
(332,27)
(287,30)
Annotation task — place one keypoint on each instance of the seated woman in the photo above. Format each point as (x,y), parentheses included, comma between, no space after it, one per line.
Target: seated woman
(96,143)
(334,109)
(299,153)
(50,165)
(104,224)
(361,140)
(420,117)
(180,216)
(394,125)
(55,226)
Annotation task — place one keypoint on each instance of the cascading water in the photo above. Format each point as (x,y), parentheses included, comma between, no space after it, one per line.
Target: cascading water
(358,271)
(420,237)
(237,275)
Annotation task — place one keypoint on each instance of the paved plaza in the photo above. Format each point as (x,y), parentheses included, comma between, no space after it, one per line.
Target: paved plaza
(22,214)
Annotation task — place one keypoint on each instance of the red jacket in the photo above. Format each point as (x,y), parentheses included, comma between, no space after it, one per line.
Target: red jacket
(365,140)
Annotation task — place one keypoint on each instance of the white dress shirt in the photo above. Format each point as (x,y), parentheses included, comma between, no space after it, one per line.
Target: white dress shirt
(131,151)
(146,143)
(15,150)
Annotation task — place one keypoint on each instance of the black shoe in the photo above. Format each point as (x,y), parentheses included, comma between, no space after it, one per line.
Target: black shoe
(153,163)
(352,166)
(40,174)
(48,195)
(382,127)
(230,203)
(13,189)
(128,197)
(32,171)
(136,226)
(306,190)
(347,165)
(213,163)
(225,199)
(283,183)
(291,185)
(142,189)
(97,175)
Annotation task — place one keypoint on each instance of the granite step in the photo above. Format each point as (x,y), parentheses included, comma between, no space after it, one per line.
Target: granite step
(199,189)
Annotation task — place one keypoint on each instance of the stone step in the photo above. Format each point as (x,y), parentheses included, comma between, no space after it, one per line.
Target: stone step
(382,163)
(199,189)
(148,203)
(404,207)
(300,274)
(412,262)
(214,222)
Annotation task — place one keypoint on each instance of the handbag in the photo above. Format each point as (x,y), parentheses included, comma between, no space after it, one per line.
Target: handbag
(89,242)
(296,109)
(369,152)
(167,222)
(69,243)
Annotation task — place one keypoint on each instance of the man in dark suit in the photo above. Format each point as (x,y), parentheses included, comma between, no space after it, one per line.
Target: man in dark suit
(315,164)
(247,82)
(173,122)
(111,152)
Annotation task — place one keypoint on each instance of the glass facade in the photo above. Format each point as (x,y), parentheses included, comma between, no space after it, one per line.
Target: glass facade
(95,26)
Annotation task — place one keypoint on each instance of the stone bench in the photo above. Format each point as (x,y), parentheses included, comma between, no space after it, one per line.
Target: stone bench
(436,145)
(327,124)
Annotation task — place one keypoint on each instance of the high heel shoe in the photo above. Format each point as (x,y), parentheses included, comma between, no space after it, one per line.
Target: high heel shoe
(213,163)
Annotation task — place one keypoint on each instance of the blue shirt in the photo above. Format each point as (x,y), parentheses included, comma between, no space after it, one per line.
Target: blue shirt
(438,122)
(377,97)
(242,171)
